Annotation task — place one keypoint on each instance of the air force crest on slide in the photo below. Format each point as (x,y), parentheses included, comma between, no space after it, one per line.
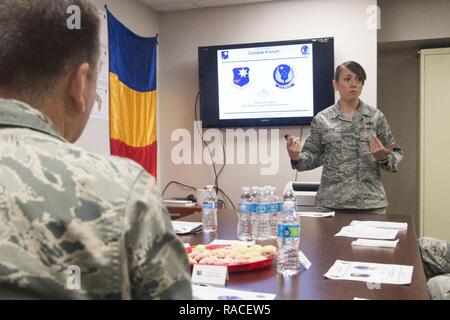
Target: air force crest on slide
(224,55)
(241,76)
(305,50)
(284,76)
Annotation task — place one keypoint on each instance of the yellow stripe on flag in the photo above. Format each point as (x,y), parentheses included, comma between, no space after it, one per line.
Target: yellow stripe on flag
(132,114)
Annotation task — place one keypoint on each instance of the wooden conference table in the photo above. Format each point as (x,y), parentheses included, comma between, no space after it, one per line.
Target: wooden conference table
(322,248)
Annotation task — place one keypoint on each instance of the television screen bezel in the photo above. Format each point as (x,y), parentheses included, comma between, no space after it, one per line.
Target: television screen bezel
(323,73)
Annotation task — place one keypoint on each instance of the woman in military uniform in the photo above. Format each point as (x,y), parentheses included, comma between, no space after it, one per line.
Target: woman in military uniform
(353,142)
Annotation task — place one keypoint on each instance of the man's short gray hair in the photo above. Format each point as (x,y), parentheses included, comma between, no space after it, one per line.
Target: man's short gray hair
(36,45)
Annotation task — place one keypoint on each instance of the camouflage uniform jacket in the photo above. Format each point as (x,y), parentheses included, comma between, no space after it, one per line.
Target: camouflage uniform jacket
(435,255)
(351,177)
(61,206)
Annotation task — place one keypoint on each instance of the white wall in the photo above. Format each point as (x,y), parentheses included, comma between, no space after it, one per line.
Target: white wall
(182,32)
(141,20)
(398,99)
(405,20)
(406,27)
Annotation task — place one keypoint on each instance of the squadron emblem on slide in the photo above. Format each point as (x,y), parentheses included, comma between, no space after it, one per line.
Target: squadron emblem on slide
(241,76)
(284,75)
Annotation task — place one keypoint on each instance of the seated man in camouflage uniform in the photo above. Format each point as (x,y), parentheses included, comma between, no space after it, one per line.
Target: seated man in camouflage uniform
(436,262)
(73,225)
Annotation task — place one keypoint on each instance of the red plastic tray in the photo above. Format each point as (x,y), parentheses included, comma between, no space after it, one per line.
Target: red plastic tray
(239,267)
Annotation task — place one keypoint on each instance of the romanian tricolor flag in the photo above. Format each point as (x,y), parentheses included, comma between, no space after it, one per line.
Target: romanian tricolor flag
(132,93)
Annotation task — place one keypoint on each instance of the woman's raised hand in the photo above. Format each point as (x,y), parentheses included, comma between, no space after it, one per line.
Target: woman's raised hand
(378,150)
(293,147)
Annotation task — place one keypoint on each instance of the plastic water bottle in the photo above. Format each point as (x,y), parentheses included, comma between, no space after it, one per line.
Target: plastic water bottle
(276,206)
(254,192)
(288,241)
(245,223)
(262,219)
(289,200)
(254,195)
(209,208)
(273,209)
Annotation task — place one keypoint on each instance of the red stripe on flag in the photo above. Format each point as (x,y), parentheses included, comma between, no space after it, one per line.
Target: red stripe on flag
(145,156)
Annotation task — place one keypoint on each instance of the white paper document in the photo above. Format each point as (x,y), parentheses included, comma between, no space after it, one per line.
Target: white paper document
(209,275)
(184,227)
(375,243)
(230,242)
(179,202)
(213,293)
(304,260)
(381,224)
(370,272)
(315,214)
(361,231)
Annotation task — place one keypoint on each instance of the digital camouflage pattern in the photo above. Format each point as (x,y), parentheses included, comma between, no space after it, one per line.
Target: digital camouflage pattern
(351,176)
(61,205)
(435,255)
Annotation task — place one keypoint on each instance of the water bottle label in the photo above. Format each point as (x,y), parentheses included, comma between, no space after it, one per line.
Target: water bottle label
(263,208)
(279,206)
(289,205)
(247,207)
(274,207)
(290,231)
(209,205)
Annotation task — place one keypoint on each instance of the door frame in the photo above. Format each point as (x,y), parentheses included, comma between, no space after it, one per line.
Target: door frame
(423,54)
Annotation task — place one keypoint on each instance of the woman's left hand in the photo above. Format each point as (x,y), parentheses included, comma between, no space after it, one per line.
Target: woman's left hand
(378,150)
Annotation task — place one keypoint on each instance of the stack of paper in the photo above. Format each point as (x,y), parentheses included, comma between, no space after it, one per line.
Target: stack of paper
(372,273)
(231,242)
(375,243)
(315,214)
(179,202)
(212,293)
(361,231)
(381,224)
(184,227)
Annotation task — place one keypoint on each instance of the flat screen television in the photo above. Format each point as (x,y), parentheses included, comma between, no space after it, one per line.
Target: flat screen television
(281,83)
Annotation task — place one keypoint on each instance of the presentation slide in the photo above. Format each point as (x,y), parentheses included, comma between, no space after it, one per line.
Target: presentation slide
(266,82)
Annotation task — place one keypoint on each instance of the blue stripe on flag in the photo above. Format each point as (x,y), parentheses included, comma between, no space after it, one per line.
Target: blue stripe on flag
(131,57)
